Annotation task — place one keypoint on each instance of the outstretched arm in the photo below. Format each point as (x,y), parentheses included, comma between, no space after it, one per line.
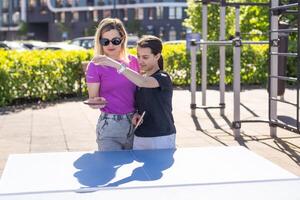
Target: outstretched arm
(94,100)
(133,76)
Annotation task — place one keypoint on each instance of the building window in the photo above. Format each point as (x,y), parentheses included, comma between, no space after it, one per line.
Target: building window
(75,17)
(95,15)
(172,33)
(44,6)
(121,14)
(76,3)
(100,14)
(150,30)
(58,3)
(99,2)
(56,17)
(151,12)
(90,2)
(159,12)
(43,3)
(139,13)
(5,18)
(89,16)
(171,13)
(16,4)
(62,17)
(161,32)
(179,13)
(70,3)
(108,2)
(16,17)
(5,4)
(32,3)
(106,13)
(125,18)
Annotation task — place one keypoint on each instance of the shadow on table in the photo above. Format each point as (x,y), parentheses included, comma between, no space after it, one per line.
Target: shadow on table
(99,168)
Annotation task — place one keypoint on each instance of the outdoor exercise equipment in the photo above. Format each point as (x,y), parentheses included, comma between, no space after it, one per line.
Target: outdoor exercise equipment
(237,42)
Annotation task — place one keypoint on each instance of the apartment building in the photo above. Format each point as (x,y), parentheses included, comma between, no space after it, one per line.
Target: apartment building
(56,20)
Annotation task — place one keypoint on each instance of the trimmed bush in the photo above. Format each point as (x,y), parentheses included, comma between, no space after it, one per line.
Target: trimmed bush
(43,75)
(48,75)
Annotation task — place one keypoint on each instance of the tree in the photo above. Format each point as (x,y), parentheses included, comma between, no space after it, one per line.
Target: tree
(134,27)
(254,20)
(91,30)
(23,29)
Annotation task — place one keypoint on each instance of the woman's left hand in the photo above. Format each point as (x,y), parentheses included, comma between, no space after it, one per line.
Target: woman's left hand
(105,60)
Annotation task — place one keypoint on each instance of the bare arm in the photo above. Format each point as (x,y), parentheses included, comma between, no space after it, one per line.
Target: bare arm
(139,80)
(93,89)
(133,76)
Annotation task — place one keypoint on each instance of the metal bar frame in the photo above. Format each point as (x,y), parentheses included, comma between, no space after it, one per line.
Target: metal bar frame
(204,55)
(273,69)
(298,65)
(285,78)
(234,4)
(193,48)
(236,78)
(230,42)
(284,54)
(283,7)
(290,30)
(222,54)
(237,43)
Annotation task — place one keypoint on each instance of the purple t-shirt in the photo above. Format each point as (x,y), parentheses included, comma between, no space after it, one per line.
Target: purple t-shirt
(115,88)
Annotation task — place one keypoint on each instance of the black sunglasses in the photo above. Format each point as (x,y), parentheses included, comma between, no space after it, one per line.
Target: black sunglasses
(115,41)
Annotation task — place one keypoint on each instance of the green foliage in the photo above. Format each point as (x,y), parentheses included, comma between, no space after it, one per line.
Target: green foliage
(48,75)
(254,25)
(23,29)
(176,63)
(41,75)
(254,64)
(134,27)
(91,30)
(254,20)
(194,21)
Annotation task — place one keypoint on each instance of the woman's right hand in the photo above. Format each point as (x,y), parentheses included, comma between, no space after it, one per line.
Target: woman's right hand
(96,102)
(106,61)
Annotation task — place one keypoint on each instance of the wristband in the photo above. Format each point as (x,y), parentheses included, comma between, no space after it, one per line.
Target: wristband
(122,68)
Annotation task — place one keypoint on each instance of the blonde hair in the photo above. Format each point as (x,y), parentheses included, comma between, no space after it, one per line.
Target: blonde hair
(108,24)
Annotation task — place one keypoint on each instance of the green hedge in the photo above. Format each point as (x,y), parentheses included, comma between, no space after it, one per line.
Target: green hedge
(43,75)
(254,64)
(48,75)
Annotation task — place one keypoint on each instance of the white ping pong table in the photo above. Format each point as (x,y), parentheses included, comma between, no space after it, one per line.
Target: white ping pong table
(215,173)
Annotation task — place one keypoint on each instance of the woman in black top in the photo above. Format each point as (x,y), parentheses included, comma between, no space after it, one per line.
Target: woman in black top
(153,97)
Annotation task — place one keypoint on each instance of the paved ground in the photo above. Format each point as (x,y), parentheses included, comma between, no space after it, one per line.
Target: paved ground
(70,126)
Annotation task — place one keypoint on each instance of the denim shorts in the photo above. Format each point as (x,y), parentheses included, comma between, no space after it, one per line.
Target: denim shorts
(114,132)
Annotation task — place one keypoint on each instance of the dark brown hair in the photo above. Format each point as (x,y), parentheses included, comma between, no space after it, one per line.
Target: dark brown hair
(155,44)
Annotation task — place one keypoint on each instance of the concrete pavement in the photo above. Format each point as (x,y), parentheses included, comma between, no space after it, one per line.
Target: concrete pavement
(70,126)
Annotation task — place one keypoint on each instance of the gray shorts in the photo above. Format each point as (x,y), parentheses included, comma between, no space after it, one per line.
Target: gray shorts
(161,142)
(114,132)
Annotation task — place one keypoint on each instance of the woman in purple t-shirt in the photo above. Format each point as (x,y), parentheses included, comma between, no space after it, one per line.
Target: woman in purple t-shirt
(109,91)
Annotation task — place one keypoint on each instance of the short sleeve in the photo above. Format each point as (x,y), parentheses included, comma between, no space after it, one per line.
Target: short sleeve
(92,75)
(163,80)
(134,63)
